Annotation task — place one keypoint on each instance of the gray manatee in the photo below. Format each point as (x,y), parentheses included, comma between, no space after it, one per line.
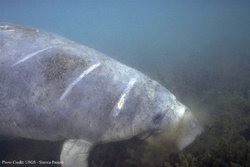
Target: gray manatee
(55,89)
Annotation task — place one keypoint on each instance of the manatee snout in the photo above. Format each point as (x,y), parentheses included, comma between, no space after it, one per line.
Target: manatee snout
(177,134)
(188,130)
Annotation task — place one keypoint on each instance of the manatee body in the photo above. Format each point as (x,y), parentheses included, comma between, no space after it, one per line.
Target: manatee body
(55,89)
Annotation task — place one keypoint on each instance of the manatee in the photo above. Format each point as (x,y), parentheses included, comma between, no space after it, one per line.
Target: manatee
(55,89)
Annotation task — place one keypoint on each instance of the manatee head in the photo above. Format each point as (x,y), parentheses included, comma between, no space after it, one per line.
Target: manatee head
(168,122)
(154,113)
(180,130)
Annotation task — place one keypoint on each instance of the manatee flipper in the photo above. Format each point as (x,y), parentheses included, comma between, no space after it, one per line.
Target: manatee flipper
(75,153)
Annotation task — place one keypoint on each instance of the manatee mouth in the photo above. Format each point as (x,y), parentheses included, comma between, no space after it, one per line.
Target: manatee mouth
(176,136)
(188,131)
(149,133)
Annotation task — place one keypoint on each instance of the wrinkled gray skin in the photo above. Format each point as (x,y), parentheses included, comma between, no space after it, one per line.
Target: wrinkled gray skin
(54,89)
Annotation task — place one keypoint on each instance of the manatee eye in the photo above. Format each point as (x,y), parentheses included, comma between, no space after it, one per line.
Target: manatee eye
(157,119)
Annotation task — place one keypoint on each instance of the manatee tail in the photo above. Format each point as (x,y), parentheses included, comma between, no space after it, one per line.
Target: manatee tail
(75,153)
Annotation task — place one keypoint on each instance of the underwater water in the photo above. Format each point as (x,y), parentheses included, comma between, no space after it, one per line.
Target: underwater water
(199,50)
